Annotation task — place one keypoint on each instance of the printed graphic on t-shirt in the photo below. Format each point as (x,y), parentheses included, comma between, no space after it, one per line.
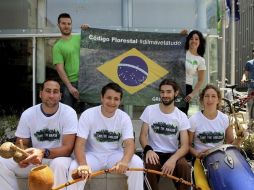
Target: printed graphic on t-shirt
(165,129)
(194,62)
(107,136)
(47,135)
(211,137)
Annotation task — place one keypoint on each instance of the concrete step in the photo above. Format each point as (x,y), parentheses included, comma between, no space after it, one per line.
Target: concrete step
(116,182)
(23,183)
(107,181)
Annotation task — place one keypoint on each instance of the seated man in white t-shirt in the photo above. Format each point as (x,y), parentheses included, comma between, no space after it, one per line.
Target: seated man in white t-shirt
(49,129)
(163,123)
(102,131)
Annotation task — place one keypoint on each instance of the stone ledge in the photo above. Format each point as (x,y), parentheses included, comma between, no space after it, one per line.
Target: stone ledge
(105,181)
(23,183)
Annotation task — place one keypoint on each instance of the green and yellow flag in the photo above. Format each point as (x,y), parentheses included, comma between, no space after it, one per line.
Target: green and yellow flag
(132,70)
(137,61)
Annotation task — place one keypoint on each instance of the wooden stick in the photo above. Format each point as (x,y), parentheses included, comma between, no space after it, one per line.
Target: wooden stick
(78,179)
(180,180)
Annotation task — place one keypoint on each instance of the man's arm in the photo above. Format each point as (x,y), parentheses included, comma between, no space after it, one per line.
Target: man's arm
(143,137)
(150,155)
(62,74)
(79,150)
(65,150)
(245,76)
(184,148)
(36,154)
(83,169)
(129,149)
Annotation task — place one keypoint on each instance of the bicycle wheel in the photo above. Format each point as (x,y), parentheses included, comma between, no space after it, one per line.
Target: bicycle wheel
(226,106)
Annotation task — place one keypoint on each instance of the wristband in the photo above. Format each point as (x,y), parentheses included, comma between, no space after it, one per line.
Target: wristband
(147,148)
(46,153)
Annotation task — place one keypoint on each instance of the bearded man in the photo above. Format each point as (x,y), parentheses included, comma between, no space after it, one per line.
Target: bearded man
(164,137)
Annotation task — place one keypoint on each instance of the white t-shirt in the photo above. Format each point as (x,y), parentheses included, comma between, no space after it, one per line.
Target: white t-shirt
(104,134)
(164,128)
(208,133)
(47,132)
(193,64)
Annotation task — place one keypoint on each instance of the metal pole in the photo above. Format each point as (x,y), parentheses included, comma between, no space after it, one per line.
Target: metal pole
(223,49)
(34,73)
(128,23)
(232,42)
(208,60)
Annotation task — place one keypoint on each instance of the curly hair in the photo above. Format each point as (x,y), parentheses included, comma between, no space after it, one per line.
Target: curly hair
(215,88)
(201,47)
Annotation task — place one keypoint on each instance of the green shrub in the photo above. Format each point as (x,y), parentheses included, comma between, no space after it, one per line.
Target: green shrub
(8,125)
(248,146)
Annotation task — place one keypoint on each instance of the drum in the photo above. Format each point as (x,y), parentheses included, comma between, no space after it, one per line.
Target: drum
(227,169)
(41,177)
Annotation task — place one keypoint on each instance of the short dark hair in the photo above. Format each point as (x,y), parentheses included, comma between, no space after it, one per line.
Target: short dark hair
(169,82)
(112,86)
(201,47)
(49,79)
(63,15)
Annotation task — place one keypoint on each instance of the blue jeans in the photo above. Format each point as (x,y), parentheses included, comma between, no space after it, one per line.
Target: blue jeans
(187,105)
(68,97)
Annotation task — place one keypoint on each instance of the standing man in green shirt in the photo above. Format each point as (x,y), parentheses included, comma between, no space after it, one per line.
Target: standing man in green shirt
(66,58)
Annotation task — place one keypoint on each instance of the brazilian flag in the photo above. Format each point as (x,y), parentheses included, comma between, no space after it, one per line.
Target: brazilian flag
(132,70)
(137,61)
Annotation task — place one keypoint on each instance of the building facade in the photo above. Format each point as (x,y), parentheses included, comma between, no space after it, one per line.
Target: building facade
(28,30)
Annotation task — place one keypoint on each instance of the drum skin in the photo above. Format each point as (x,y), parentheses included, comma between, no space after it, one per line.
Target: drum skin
(227,169)
(41,178)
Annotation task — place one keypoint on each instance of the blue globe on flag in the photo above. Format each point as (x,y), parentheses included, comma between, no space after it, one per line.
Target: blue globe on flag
(132,71)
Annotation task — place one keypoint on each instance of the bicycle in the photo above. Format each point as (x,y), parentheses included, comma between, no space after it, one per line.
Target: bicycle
(235,107)
(230,96)
(238,102)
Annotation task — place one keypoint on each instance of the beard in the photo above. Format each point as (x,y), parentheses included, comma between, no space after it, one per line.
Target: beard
(65,32)
(167,102)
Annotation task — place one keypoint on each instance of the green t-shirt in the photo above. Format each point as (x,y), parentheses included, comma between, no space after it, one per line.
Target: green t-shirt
(67,52)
